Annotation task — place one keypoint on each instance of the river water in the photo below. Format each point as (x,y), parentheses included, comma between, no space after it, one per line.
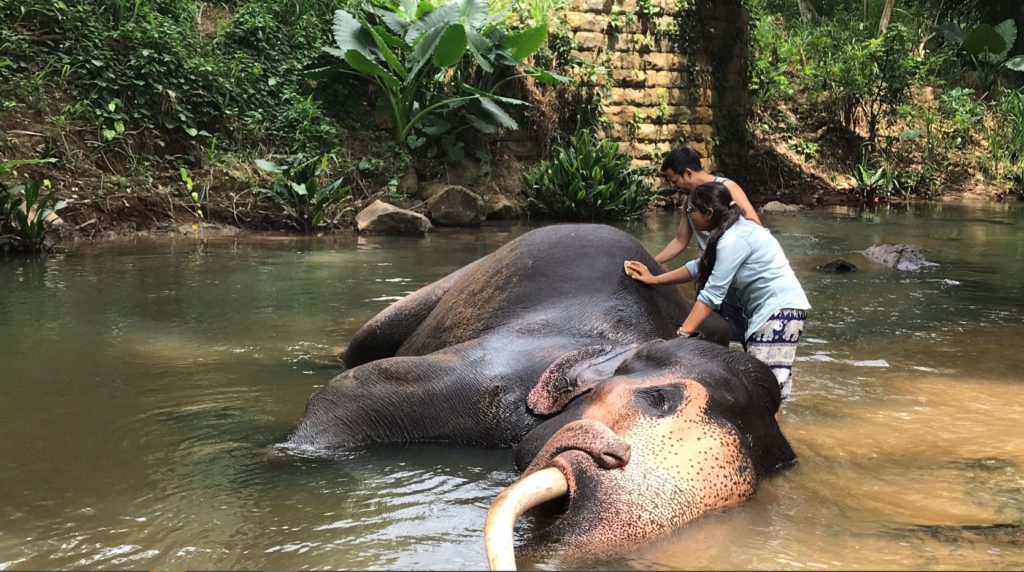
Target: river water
(144,383)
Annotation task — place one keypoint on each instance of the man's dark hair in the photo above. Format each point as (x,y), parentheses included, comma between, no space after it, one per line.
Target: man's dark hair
(681,159)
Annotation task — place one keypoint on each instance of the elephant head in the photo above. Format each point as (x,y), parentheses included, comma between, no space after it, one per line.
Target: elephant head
(643,439)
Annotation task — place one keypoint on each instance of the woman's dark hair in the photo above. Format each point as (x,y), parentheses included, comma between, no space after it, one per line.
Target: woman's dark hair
(714,197)
(681,159)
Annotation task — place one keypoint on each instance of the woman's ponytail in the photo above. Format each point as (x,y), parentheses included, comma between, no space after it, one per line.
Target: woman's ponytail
(714,197)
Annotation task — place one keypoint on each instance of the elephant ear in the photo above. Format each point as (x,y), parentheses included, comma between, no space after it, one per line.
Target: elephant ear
(574,374)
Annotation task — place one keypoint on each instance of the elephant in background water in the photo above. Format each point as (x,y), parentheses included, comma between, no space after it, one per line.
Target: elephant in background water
(547,345)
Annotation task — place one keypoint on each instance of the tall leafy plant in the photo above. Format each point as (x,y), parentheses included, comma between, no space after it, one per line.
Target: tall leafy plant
(986,43)
(26,210)
(415,54)
(589,179)
(299,190)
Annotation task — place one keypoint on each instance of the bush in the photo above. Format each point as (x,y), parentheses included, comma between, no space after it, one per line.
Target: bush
(303,191)
(158,77)
(589,179)
(1006,140)
(25,210)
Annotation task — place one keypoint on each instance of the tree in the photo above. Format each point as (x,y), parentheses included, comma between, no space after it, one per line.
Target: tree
(886,16)
(807,11)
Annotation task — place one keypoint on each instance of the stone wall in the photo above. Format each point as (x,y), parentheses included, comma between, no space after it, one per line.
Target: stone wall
(663,97)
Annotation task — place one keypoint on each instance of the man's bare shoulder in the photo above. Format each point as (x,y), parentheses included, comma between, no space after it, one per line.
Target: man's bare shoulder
(733,186)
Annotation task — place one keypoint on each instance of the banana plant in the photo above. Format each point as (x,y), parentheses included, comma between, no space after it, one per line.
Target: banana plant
(414,47)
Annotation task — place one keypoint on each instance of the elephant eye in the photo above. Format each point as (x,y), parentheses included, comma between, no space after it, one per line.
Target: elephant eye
(660,401)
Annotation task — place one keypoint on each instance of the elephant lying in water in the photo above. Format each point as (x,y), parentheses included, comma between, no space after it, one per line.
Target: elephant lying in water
(547,344)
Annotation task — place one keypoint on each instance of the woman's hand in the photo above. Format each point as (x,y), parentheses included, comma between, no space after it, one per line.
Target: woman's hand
(638,271)
(684,334)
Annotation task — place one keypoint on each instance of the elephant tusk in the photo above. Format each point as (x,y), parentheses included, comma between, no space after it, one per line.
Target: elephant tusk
(542,486)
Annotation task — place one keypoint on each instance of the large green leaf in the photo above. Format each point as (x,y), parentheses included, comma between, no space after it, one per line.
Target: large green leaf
(269,166)
(451,47)
(498,114)
(488,95)
(1007,29)
(984,39)
(525,43)
(953,33)
(409,9)
(395,22)
(1015,63)
(434,21)
(349,34)
(368,67)
(473,13)
(481,49)
(481,125)
(385,50)
(549,78)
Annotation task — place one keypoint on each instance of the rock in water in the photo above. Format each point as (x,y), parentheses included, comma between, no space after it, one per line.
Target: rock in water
(898,256)
(776,207)
(383,218)
(455,206)
(838,266)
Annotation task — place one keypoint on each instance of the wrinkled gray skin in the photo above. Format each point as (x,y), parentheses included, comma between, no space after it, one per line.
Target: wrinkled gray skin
(548,344)
(455,360)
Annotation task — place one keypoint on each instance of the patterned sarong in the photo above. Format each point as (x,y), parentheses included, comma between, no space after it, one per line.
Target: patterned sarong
(775,344)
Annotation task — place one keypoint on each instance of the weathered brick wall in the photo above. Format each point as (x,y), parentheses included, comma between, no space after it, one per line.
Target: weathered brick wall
(655,103)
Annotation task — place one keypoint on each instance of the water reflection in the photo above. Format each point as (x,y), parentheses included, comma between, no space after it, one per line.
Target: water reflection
(144,384)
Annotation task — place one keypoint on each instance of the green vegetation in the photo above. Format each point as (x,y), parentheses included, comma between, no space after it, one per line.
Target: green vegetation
(253,112)
(174,100)
(912,103)
(27,210)
(301,192)
(407,51)
(588,179)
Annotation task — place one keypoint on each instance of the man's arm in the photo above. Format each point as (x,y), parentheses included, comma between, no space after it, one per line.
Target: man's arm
(698,313)
(741,199)
(677,244)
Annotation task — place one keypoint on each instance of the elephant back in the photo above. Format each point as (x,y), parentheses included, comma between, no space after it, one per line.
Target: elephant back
(559,280)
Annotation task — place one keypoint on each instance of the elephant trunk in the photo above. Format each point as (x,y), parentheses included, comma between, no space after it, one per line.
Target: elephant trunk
(532,490)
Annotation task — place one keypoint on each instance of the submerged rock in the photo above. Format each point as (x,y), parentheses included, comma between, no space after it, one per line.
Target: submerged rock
(383,218)
(898,256)
(838,266)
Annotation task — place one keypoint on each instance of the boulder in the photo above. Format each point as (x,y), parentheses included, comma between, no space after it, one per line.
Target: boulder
(775,207)
(898,256)
(455,206)
(500,207)
(382,218)
(838,266)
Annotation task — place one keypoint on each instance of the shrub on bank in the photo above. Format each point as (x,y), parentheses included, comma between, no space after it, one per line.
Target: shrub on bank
(588,179)
(909,109)
(26,209)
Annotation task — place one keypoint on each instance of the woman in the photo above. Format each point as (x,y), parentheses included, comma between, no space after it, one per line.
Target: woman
(746,256)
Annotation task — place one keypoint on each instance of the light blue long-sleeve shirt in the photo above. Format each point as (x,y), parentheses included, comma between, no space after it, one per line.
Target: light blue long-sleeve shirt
(751,260)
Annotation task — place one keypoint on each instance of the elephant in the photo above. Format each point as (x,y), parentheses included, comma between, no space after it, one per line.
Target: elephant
(546,345)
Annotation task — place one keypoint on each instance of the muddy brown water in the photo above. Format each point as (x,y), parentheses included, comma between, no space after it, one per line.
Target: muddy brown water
(143,385)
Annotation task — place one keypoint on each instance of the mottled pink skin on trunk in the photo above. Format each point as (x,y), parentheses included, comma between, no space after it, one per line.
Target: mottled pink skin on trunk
(679,467)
